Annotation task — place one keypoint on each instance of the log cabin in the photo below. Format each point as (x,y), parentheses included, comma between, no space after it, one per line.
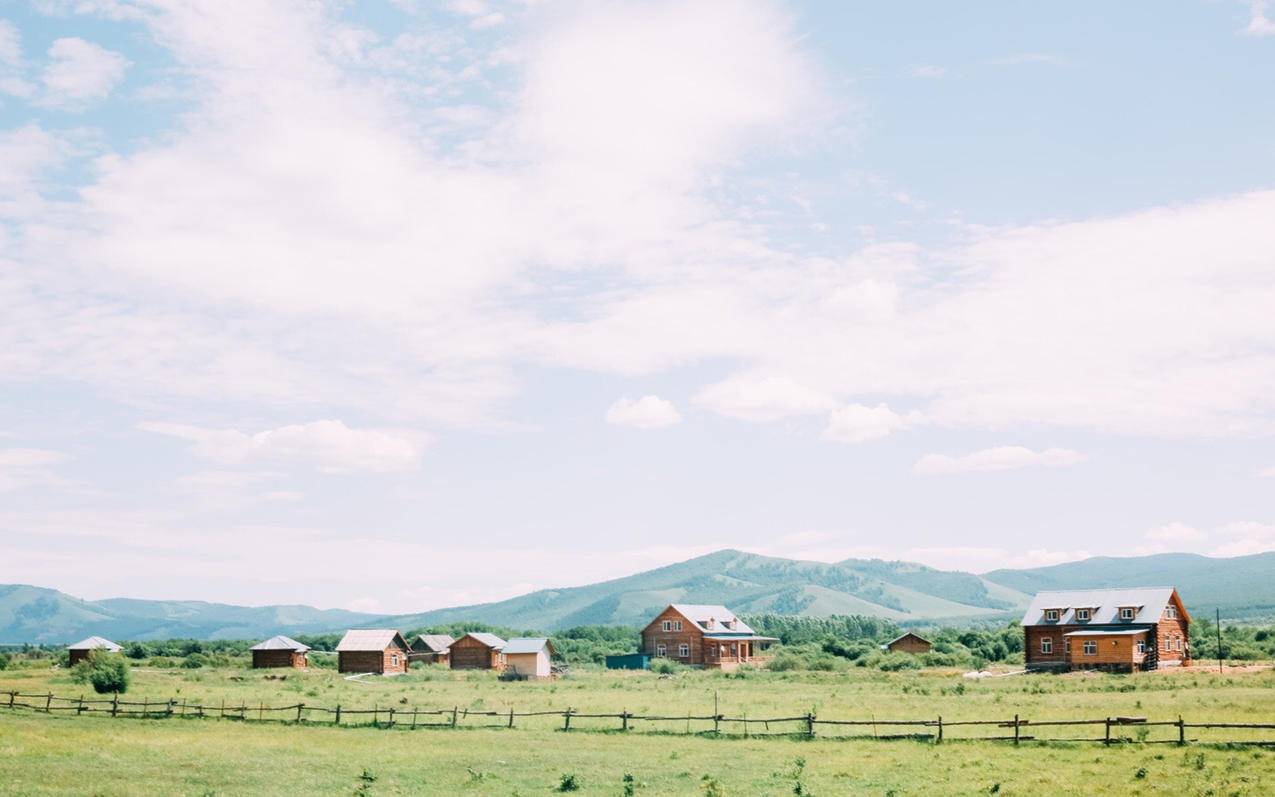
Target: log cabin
(85,647)
(908,643)
(703,635)
(379,650)
(432,649)
(1117,630)
(279,651)
(478,650)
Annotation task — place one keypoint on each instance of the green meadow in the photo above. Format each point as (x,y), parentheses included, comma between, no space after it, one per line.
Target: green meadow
(65,754)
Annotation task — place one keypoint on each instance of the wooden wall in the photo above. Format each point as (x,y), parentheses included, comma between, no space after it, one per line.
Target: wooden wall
(468,653)
(691,634)
(278,658)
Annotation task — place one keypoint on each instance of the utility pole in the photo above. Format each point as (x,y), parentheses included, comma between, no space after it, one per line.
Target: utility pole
(1217,622)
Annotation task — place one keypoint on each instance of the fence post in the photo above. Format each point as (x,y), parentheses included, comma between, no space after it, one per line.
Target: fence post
(939,739)
(1181,731)
(453,716)
(300,708)
(810,724)
(172,702)
(376,715)
(12,695)
(1015,730)
(146,707)
(79,706)
(624,720)
(511,718)
(48,704)
(413,717)
(391,716)
(115,704)
(243,710)
(1107,738)
(338,714)
(221,712)
(566,720)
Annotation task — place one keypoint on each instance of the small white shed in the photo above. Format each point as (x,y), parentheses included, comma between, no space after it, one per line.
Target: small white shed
(529,657)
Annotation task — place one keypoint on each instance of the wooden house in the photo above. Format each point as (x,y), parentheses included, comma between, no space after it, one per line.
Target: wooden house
(529,657)
(1120,630)
(279,651)
(431,649)
(703,635)
(908,643)
(380,650)
(478,651)
(84,648)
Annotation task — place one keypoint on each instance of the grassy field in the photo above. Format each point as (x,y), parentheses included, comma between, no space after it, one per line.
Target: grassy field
(55,754)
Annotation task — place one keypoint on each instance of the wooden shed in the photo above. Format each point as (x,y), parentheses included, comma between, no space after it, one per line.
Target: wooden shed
(478,651)
(82,649)
(376,650)
(279,651)
(529,657)
(908,643)
(432,649)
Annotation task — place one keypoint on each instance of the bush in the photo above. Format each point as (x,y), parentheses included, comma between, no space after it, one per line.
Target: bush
(893,662)
(194,661)
(667,666)
(4,661)
(136,651)
(108,673)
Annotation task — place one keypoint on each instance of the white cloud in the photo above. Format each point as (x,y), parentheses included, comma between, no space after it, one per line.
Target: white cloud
(29,467)
(1259,24)
(996,459)
(759,397)
(1268,473)
(80,72)
(929,71)
(648,412)
(858,424)
(327,445)
(10,45)
(1175,533)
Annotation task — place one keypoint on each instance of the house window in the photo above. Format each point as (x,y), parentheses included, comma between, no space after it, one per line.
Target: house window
(684,651)
(1046,645)
(661,651)
(1177,643)
(1171,612)
(1126,613)
(668,625)
(1082,615)
(1168,644)
(393,659)
(1067,645)
(1051,615)
(1091,647)
(677,625)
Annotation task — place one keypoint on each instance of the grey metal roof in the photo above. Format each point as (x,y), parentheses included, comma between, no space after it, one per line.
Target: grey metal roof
(1104,603)
(432,643)
(95,643)
(712,617)
(490,640)
(280,642)
(527,645)
(367,639)
(1113,632)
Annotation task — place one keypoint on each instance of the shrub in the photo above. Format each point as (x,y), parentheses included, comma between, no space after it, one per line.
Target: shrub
(136,651)
(667,667)
(108,673)
(569,782)
(194,661)
(893,662)
(4,661)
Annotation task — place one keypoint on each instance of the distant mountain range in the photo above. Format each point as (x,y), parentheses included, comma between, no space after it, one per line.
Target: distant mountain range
(1242,587)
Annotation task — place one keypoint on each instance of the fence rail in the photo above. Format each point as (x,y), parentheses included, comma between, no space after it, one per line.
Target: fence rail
(803,725)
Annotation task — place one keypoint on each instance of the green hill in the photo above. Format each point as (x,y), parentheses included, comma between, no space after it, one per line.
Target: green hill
(39,615)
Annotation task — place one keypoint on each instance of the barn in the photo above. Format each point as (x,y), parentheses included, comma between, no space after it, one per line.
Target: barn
(1118,630)
(279,651)
(908,643)
(81,650)
(478,651)
(375,650)
(432,649)
(529,657)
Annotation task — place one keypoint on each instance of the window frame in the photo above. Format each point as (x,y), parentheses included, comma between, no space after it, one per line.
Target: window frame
(1171,612)
(1051,615)
(1047,646)
(666,626)
(1141,646)
(1083,615)
(683,651)
(677,625)
(1091,647)
(1127,613)
(661,651)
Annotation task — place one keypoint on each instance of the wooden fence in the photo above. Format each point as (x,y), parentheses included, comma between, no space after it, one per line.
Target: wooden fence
(1017,729)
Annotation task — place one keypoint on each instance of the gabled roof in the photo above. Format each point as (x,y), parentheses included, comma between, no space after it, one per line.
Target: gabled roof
(369,639)
(95,643)
(527,645)
(280,642)
(702,613)
(432,643)
(906,635)
(1106,604)
(490,640)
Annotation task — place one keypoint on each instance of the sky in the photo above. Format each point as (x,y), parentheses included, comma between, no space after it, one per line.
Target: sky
(395,305)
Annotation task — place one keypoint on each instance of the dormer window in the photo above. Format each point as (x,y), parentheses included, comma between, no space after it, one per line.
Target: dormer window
(1051,615)
(1082,615)
(1126,612)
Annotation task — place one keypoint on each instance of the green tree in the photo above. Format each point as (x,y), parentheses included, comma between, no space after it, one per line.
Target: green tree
(108,672)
